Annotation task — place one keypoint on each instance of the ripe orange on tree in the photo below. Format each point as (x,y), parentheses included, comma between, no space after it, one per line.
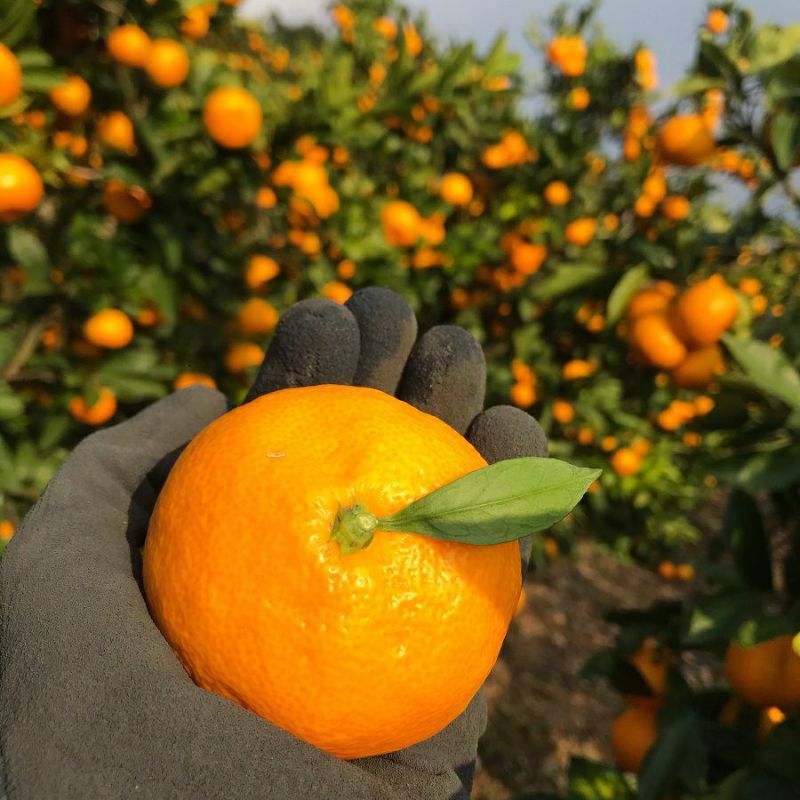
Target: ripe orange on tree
(125,203)
(332,650)
(651,299)
(10,76)
(109,328)
(401,223)
(652,661)
(581,231)
(129,45)
(186,379)
(626,461)
(652,336)
(100,411)
(523,394)
(635,731)
(568,53)
(766,674)
(705,311)
(72,97)
(116,130)
(685,140)
(260,270)
(699,368)
(557,193)
(195,23)
(21,187)
(337,291)
(527,258)
(232,116)
(257,316)
(717,21)
(167,63)
(456,189)
(243,355)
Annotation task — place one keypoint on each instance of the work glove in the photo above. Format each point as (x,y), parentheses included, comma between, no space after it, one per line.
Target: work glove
(93,701)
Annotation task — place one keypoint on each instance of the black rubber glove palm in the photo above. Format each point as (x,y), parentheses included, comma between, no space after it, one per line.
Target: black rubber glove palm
(93,702)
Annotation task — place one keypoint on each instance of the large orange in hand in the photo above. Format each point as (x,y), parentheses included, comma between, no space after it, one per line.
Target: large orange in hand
(359,653)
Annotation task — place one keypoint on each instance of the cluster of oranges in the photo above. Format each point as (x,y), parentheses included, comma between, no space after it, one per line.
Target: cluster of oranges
(511,151)
(680,331)
(568,54)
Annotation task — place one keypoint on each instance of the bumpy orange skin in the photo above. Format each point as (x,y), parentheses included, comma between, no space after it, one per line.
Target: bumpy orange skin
(357,654)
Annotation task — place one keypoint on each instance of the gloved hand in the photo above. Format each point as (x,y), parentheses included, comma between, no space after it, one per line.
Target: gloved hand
(93,702)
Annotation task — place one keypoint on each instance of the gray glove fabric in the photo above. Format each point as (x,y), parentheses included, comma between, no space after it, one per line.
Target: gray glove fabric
(93,702)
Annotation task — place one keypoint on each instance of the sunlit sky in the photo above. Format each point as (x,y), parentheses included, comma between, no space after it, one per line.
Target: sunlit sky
(667,26)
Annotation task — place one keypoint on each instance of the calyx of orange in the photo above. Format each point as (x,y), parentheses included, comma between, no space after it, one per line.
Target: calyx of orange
(491,505)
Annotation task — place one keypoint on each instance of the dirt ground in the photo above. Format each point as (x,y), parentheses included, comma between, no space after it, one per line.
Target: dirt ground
(540,712)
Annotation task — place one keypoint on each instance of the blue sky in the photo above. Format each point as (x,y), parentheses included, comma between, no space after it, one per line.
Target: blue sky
(666,25)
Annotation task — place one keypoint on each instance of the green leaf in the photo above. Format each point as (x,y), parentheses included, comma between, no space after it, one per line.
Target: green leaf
(717,618)
(30,254)
(772,46)
(497,503)
(773,470)
(743,529)
(784,136)
(679,756)
(566,278)
(589,780)
(626,288)
(695,84)
(767,367)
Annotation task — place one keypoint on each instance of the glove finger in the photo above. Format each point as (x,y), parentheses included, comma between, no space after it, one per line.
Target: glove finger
(503,432)
(388,330)
(446,376)
(316,341)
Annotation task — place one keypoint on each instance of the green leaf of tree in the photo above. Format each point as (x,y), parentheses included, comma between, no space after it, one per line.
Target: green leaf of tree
(498,503)
(564,279)
(30,254)
(767,367)
(626,288)
(743,529)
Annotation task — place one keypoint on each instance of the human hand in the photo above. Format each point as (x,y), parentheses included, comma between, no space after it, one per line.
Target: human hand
(94,703)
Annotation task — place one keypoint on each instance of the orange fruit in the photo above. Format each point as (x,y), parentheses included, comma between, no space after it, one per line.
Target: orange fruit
(401,223)
(563,411)
(129,45)
(557,193)
(10,76)
(98,412)
(635,731)
(232,116)
(386,27)
(699,368)
(21,187)
(526,258)
(242,356)
(125,203)
(456,189)
(626,461)
(703,404)
(667,570)
(186,379)
(346,269)
(684,572)
(342,649)
(568,53)
(523,394)
(167,63)
(257,316)
(669,420)
(581,231)
(675,208)
(651,299)
(644,207)
(717,21)
(577,368)
(652,661)
(260,270)
(195,23)
(336,291)
(266,197)
(705,311)
(116,130)
(653,337)
(110,328)
(767,674)
(750,286)
(685,140)
(655,186)
(72,97)
(579,98)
